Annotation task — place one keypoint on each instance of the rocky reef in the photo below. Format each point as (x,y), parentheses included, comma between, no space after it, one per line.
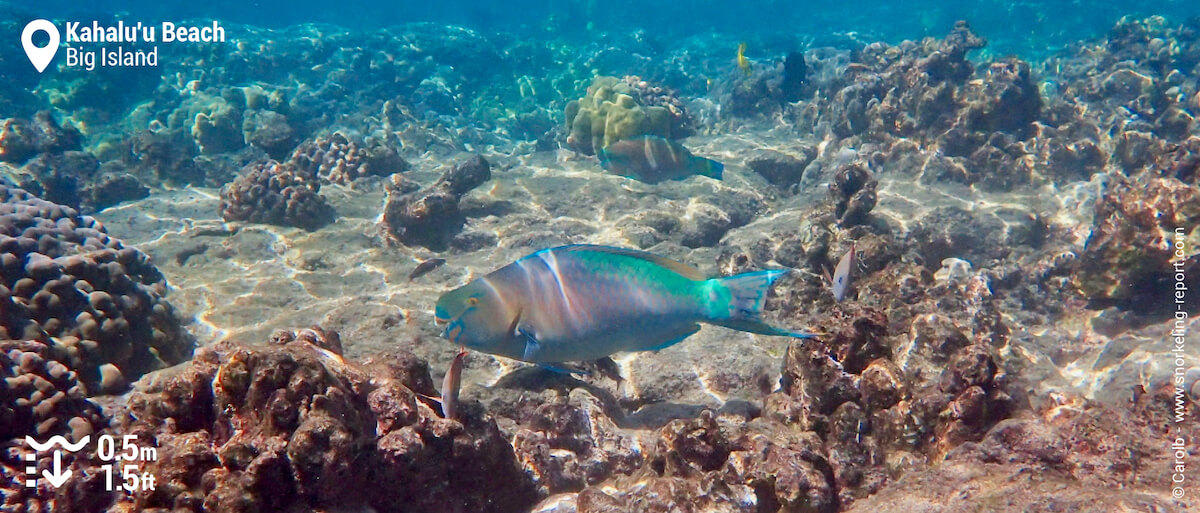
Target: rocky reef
(1015,223)
(1134,242)
(292,425)
(53,167)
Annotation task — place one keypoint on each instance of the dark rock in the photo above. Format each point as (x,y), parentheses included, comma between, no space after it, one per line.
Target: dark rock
(858,337)
(113,188)
(662,494)
(1125,262)
(795,72)
(167,155)
(21,139)
(428,217)
(1006,100)
(573,444)
(853,194)
(785,470)
(466,175)
(780,169)
(705,227)
(59,176)
(689,447)
(949,232)
(431,217)
(270,131)
(882,384)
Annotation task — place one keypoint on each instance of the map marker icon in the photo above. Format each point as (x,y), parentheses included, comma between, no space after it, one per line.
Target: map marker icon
(40,57)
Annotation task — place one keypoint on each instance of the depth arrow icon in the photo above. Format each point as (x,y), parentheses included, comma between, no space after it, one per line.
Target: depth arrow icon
(60,474)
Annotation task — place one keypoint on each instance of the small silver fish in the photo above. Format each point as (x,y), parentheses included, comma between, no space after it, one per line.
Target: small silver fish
(425,267)
(451,385)
(841,275)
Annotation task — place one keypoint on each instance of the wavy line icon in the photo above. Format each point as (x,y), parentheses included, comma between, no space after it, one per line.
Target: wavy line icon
(57,440)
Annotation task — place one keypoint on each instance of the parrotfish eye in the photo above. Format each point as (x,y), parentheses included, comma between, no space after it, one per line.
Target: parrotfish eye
(472,301)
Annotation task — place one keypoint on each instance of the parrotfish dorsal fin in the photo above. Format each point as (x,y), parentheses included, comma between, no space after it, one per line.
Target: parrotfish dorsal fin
(686,270)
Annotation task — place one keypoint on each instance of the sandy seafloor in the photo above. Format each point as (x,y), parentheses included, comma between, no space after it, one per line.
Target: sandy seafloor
(242,281)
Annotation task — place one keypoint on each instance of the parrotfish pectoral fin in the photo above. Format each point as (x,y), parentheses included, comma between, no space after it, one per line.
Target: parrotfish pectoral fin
(689,331)
(532,346)
(748,293)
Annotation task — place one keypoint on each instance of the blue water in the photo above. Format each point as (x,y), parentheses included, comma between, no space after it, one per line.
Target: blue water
(1024,28)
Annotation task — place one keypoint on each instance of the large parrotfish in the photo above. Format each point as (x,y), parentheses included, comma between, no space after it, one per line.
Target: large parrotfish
(654,159)
(585,302)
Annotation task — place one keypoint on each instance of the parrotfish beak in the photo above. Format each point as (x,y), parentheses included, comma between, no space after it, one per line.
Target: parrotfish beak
(454,327)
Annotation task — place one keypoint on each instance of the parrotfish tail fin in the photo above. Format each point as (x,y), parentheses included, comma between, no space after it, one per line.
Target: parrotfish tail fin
(710,168)
(748,293)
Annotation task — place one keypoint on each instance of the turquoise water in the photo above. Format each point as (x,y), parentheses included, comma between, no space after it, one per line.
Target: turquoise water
(1015,27)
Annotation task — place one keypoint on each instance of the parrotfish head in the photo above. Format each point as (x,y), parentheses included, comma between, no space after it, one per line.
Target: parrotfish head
(475,316)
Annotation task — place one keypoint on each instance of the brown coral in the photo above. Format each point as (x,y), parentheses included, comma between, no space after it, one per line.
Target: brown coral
(292,425)
(96,302)
(275,193)
(338,159)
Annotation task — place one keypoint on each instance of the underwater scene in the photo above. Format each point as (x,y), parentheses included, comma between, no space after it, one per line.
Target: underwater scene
(599,257)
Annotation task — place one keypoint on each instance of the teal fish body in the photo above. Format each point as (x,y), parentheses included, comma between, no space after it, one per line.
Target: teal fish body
(585,302)
(654,159)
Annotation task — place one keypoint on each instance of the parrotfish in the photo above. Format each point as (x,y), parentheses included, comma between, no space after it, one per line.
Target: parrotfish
(585,302)
(653,159)
(841,275)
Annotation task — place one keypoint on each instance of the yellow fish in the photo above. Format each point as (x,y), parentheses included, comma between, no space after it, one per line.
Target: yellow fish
(742,61)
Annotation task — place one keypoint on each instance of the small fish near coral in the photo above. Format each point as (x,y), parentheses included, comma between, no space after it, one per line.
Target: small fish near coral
(653,159)
(585,302)
(742,62)
(451,384)
(840,281)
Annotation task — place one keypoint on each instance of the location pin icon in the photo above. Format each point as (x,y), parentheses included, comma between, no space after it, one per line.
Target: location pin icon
(40,57)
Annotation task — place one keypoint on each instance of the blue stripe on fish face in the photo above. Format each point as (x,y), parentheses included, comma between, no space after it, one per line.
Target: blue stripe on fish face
(455,328)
